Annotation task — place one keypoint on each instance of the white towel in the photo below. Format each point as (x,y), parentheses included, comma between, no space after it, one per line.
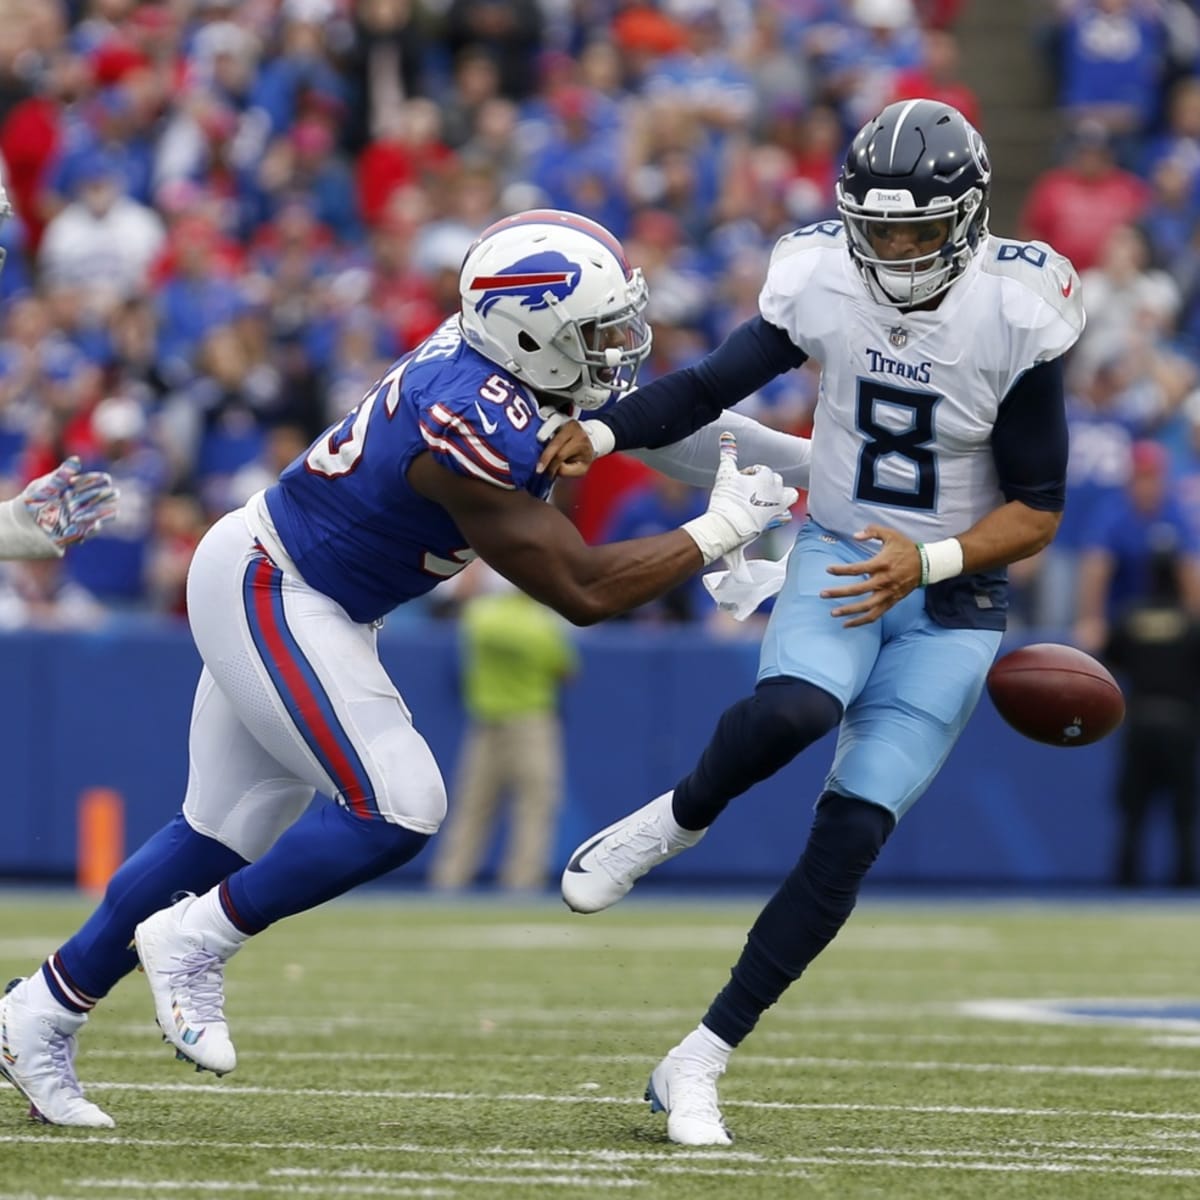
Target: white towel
(747,583)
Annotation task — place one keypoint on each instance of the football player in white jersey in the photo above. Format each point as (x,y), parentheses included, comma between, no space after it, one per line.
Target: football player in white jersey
(939,455)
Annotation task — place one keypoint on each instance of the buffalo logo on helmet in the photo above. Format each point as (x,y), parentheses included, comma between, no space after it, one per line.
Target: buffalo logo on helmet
(530,279)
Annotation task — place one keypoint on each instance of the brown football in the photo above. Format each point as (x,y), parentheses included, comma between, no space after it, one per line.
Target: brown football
(1056,694)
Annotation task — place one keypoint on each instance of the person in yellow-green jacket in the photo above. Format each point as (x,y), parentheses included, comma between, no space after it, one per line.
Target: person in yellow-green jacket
(516,656)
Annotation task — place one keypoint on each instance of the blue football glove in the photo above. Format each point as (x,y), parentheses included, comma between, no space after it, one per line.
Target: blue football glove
(69,505)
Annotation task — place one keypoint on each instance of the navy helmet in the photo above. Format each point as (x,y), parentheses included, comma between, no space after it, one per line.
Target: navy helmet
(918,160)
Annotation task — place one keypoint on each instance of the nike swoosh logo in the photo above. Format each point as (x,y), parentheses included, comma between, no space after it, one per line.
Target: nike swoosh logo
(488,426)
(1069,288)
(574,864)
(762,503)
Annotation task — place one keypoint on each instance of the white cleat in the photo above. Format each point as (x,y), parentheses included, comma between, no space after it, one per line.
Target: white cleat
(37,1056)
(686,1090)
(608,864)
(187,981)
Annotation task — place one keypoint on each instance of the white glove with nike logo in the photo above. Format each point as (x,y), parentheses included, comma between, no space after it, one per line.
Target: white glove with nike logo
(743,505)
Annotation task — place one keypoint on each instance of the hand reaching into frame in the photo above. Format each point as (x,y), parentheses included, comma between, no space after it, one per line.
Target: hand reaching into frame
(69,505)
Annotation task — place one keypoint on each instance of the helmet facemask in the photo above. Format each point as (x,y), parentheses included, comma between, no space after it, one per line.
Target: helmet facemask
(608,350)
(905,283)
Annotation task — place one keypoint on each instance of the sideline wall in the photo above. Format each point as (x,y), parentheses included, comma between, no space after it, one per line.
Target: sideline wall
(111,709)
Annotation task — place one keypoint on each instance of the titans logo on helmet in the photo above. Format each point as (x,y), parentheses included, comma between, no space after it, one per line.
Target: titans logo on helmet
(529,278)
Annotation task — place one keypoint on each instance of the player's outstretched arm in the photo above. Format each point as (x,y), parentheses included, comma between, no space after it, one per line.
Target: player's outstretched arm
(572,446)
(536,547)
(675,405)
(56,511)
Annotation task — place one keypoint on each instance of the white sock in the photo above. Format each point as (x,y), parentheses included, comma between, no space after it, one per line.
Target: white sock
(703,1044)
(35,992)
(207,916)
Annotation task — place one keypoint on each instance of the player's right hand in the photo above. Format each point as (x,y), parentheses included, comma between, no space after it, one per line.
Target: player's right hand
(743,504)
(568,453)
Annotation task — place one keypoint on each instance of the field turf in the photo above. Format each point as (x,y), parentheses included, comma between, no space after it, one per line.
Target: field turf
(398,1046)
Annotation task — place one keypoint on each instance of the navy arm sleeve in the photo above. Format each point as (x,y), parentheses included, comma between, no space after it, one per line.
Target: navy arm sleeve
(674,405)
(1029,440)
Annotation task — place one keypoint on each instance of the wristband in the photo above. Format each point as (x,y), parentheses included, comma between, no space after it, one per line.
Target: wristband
(713,534)
(940,560)
(603,440)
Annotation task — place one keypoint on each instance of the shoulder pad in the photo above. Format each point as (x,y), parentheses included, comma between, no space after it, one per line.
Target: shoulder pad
(1040,269)
(485,426)
(788,298)
(822,235)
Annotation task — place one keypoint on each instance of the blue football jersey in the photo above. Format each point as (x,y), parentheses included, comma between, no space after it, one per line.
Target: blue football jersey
(344,510)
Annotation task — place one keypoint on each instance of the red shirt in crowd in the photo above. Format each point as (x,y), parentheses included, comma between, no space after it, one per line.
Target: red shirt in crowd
(1075,213)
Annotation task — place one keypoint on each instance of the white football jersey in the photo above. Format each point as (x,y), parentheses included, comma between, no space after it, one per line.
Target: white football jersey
(903,424)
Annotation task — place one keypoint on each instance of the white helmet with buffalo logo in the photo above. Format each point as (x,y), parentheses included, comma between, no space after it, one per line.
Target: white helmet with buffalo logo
(551,297)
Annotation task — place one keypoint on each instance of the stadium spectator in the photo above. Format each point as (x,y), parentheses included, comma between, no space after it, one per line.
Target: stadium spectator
(516,656)
(1125,296)
(1120,542)
(42,595)
(112,566)
(511,30)
(104,240)
(1101,435)
(1112,58)
(1154,648)
(1074,207)
(880,43)
(939,76)
(386,65)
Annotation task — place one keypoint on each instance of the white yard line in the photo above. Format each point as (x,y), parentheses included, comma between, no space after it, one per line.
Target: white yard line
(224,1091)
(768,1061)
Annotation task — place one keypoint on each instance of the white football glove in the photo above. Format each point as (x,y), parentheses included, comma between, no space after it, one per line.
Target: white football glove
(743,505)
(69,505)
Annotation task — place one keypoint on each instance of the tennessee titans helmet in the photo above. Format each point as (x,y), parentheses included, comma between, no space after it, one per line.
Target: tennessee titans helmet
(917,161)
(551,297)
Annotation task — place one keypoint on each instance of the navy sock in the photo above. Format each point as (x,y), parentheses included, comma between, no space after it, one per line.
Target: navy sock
(805,914)
(324,854)
(754,738)
(176,859)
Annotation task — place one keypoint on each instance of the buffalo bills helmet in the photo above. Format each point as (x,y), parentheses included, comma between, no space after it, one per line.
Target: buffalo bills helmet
(917,161)
(551,297)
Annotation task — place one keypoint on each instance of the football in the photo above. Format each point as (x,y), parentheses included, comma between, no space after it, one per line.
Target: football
(1056,694)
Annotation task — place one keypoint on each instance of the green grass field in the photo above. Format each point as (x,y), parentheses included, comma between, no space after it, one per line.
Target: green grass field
(397,1046)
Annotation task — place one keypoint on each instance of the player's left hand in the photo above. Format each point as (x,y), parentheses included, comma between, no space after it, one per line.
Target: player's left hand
(890,575)
(570,451)
(69,505)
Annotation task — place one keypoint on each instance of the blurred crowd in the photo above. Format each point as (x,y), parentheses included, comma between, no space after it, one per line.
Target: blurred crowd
(230,216)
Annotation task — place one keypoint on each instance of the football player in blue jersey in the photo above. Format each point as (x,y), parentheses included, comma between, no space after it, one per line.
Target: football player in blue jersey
(939,455)
(436,465)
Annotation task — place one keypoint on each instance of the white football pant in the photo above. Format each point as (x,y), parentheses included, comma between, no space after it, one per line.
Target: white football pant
(293,700)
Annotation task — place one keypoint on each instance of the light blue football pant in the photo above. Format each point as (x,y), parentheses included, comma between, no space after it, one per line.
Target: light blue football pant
(907,684)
